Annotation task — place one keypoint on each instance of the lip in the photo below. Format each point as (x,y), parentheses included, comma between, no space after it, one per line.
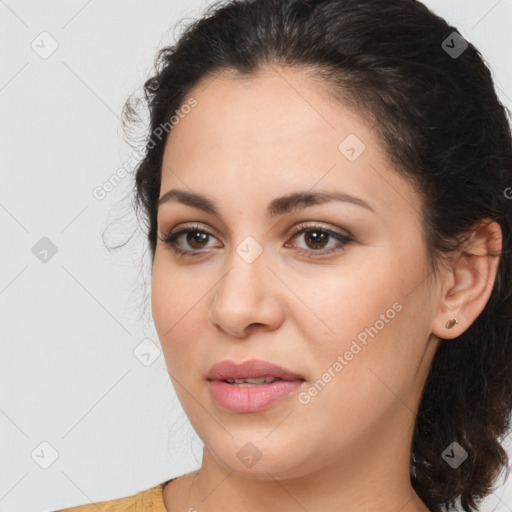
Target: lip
(256,398)
(253,398)
(253,368)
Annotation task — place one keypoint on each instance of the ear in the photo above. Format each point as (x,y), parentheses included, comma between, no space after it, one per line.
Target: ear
(469,280)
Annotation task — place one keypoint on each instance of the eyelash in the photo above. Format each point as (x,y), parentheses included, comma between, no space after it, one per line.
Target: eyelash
(170,239)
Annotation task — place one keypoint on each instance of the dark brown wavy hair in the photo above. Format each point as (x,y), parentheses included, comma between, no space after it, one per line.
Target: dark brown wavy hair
(443,127)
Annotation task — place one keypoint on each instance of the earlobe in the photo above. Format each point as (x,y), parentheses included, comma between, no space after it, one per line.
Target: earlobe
(451,323)
(468,283)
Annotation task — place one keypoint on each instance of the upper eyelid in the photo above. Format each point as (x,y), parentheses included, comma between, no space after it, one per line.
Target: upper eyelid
(295,230)
(304,224)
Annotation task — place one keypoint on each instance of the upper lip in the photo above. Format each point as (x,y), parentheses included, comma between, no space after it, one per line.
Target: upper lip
(249,370)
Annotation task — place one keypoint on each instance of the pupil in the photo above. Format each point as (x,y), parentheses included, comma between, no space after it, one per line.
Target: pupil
(318,235)
(196,237)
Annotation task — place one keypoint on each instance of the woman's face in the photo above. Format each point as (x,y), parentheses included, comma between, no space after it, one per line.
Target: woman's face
(351,318)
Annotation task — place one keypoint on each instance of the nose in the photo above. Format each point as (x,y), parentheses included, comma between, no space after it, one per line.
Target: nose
(248,298)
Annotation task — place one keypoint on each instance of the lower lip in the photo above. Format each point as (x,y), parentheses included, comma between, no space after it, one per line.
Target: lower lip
(251,398)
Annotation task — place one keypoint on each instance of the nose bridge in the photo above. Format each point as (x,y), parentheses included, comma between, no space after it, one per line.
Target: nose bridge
(244,296)
(246,271)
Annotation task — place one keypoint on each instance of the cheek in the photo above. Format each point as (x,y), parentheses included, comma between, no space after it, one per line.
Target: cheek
(360,370)
(173,293)
(370,318)
(345,302)
(169,302)
(163,300)
(178,299)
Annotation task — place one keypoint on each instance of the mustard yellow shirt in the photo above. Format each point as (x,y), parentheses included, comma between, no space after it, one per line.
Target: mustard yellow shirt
(150,500)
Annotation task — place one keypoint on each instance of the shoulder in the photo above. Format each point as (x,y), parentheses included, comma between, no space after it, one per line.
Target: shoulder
(149,500)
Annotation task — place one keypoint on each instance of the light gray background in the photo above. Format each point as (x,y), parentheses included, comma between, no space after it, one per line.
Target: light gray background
(69,377)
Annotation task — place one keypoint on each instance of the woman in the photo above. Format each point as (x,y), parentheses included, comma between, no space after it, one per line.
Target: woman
(327,191)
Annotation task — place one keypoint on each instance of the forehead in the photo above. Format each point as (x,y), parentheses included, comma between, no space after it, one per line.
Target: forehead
(279,130)
(277,109)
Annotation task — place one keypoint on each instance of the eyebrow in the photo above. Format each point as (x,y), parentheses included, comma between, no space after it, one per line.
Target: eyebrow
(279,206)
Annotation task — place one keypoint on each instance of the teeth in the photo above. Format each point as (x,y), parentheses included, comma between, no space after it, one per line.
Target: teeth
(258,380)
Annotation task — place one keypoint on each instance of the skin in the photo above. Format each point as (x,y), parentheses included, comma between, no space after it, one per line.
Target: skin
(244,144)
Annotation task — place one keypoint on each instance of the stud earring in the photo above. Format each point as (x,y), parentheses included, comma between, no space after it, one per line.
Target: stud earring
(451,323)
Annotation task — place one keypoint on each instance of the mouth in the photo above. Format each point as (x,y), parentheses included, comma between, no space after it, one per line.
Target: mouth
(251,386)
(253,395)
(258,381)
(252,372)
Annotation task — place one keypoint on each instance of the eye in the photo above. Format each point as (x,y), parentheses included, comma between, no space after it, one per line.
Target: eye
(317,236)
(195,236)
